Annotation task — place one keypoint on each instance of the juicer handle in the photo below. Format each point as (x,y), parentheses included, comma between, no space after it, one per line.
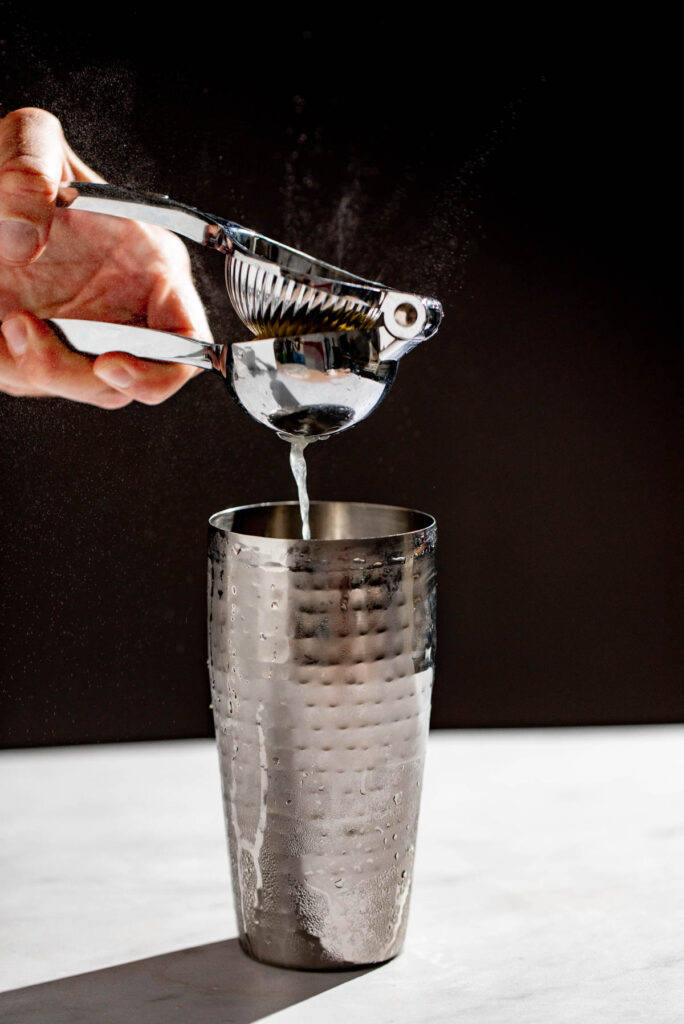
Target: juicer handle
(94,338)
(116,201)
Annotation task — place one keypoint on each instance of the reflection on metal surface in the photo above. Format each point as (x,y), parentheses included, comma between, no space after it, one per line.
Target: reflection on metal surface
(321,665)
(310,386)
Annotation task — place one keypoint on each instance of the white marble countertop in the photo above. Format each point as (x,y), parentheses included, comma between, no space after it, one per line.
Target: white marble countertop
(549,889)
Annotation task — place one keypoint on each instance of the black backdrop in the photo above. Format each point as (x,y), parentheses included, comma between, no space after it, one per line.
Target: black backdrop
(541,426)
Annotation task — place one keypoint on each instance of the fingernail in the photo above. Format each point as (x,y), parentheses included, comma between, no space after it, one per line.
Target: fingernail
(15,334)
(115,376)
(18,241)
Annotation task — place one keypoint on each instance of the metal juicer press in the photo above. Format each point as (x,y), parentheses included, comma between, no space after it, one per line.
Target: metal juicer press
(326,343)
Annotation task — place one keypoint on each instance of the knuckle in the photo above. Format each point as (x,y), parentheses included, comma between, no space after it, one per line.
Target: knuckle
(45,367)
(154,392)
(32,142)
(111,400)
(151,396)
(22,175)
(21,115)
(155,383)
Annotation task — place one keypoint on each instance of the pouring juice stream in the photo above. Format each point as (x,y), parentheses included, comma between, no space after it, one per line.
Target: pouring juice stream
(298,467)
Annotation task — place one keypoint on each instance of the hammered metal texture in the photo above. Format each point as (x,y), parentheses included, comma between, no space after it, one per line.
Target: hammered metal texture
(321,667)
(273,305)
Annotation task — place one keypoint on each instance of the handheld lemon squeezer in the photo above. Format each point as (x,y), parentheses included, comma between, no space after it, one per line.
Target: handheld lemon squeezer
(326,342)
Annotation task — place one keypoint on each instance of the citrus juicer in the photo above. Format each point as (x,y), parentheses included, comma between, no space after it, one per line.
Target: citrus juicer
(326,341)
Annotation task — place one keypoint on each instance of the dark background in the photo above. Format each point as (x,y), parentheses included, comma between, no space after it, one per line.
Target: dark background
(536,198)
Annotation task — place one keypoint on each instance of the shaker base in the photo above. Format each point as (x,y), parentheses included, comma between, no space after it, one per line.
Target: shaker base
(317,968)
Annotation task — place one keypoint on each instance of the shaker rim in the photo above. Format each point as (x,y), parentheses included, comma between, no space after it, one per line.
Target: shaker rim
(426,521)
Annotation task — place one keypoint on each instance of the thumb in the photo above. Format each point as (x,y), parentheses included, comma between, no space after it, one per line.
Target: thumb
(32,160)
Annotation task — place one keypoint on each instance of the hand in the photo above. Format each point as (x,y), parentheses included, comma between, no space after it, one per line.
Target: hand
(94,268)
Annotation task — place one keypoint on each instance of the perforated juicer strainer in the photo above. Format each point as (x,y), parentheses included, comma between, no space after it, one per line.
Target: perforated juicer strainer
(344,333)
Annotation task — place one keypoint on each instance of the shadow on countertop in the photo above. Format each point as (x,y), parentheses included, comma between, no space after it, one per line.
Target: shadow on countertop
(208,984)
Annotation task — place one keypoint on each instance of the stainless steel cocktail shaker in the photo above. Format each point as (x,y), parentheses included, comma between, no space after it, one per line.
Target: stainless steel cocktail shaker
(321,666)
